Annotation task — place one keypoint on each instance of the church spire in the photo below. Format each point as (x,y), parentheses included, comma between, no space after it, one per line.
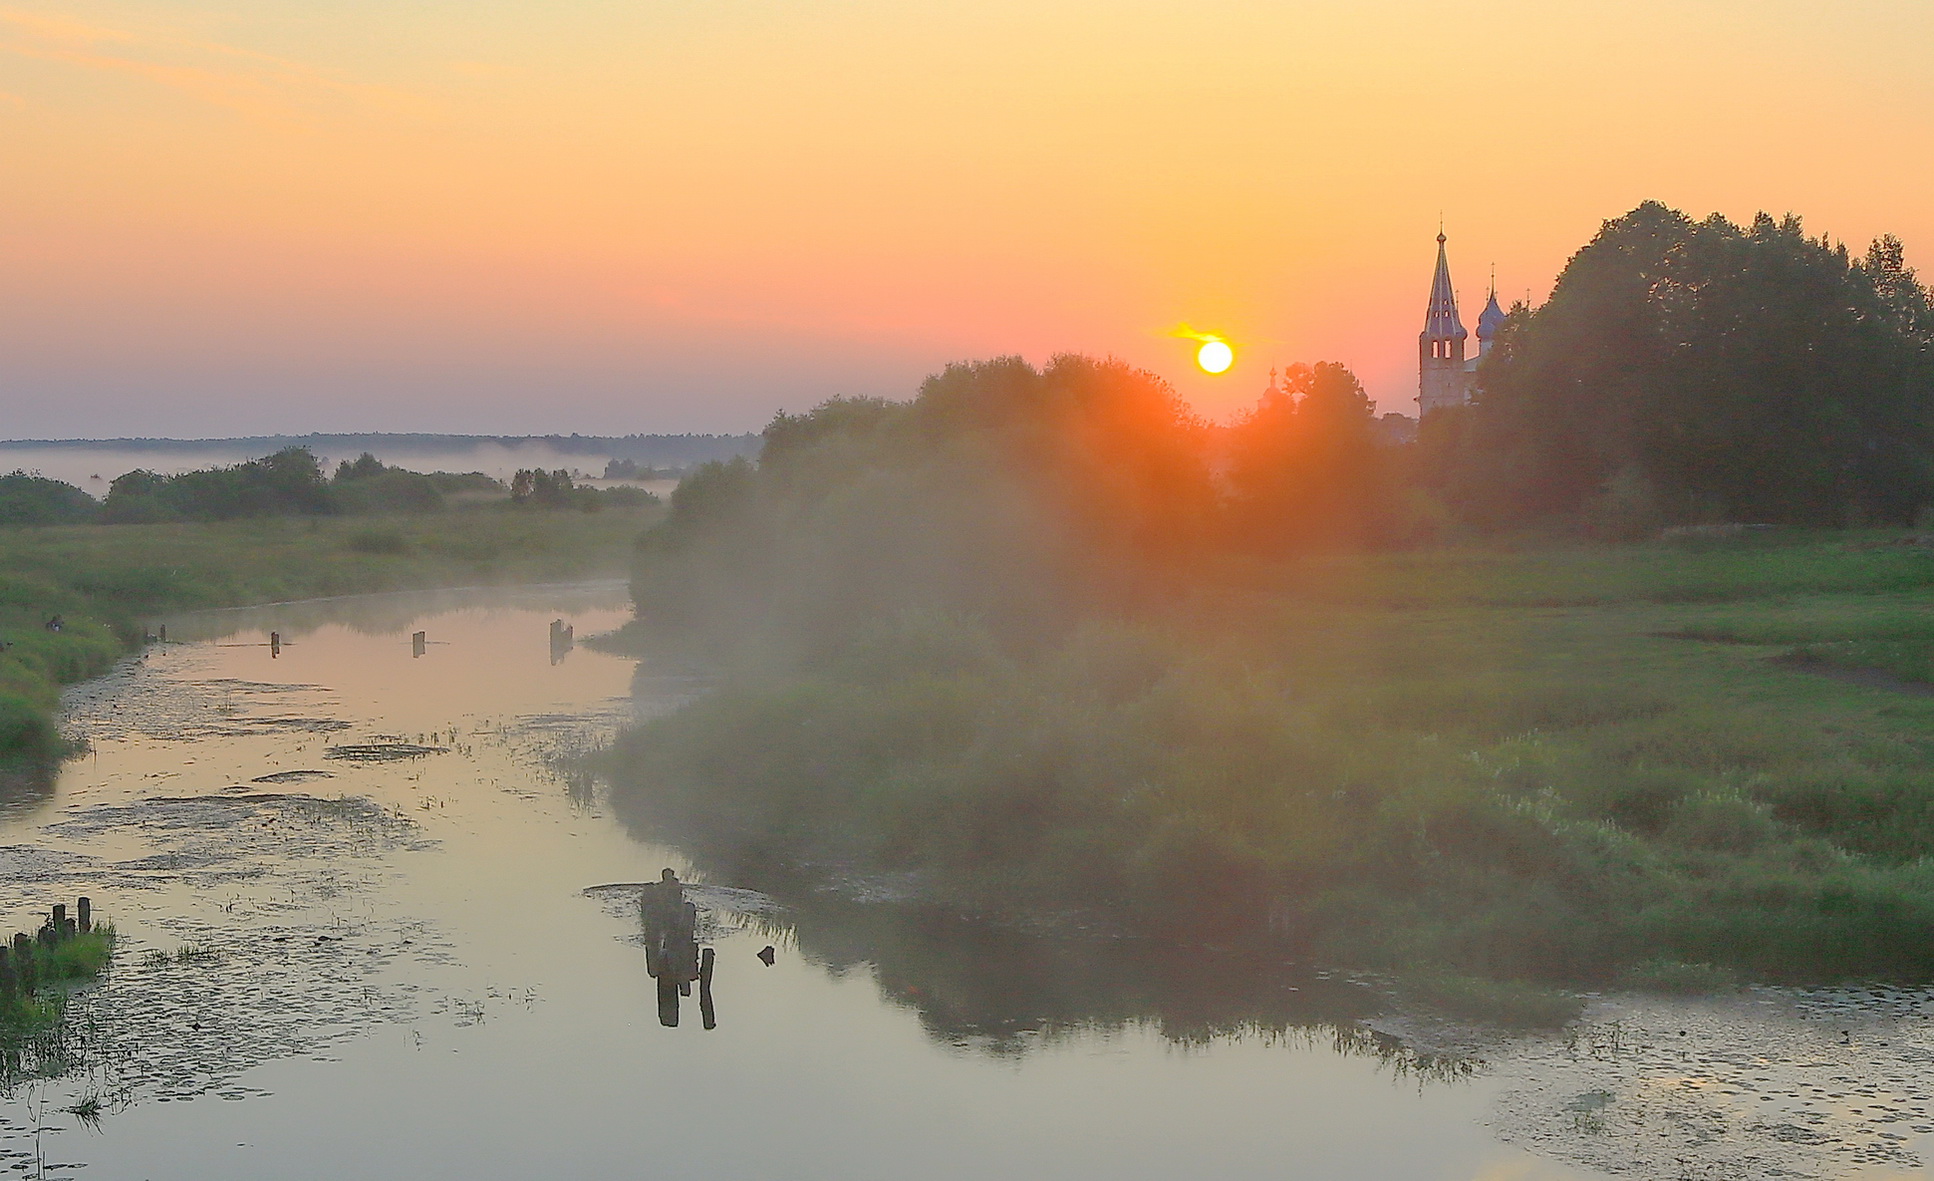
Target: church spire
(1444,377)
(1441,321)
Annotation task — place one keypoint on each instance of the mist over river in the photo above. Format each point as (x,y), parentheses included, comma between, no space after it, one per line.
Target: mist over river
(412,949)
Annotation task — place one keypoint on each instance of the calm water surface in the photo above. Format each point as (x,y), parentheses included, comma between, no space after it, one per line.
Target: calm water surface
(429,968)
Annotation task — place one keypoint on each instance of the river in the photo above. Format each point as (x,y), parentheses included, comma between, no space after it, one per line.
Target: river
(372,923)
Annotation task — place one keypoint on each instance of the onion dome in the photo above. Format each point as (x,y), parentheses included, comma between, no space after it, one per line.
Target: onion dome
(1490,319)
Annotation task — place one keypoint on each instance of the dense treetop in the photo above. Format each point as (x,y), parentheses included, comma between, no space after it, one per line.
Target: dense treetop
(1700,370)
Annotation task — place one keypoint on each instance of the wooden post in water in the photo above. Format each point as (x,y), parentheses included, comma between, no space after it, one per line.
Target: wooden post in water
(84,910)
(23,963)
(60,920)
(8,987)
(275,644)
(418,641)
(162,633)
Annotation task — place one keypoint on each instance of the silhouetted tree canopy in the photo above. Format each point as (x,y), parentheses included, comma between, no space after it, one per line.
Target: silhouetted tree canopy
(1001,491)
(1688,370)
(1308,466)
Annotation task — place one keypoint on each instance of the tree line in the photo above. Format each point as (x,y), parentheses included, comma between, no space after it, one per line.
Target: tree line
(1690,371)
(290,482)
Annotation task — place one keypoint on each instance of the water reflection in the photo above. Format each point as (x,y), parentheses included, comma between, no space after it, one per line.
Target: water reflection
(672,955)
(1002,990)
(388,614)
(25,787)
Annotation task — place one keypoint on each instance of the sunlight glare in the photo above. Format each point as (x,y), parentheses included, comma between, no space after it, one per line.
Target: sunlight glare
(1215,356)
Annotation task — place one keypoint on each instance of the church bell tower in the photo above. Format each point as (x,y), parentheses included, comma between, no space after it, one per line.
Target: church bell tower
(1443,377)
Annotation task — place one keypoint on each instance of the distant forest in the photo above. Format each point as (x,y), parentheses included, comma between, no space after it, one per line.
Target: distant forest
(657,450)
(292,483)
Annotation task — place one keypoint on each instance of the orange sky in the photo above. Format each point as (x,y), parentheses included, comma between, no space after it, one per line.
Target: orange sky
(669,215)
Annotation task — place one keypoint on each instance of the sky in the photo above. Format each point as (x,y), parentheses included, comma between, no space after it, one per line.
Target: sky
(228,217)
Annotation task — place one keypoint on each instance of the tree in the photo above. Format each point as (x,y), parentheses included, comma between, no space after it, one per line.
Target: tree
(1307,467)
(1708,371)
(27,499)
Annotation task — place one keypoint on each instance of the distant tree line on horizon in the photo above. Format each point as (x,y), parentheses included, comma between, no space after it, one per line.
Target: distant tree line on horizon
(663,450)
(291,483)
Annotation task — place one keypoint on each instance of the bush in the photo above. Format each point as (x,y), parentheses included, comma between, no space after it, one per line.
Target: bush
(284,484)
(34,500)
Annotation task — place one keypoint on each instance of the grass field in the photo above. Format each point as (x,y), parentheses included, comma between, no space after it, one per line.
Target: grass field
(108,581)
(1560,764)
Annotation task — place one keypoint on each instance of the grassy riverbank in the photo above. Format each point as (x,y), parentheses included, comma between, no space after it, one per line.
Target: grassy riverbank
(1663,762)
(107,581)
(33,989)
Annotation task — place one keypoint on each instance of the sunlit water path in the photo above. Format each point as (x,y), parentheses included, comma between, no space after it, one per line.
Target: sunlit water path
(334,964)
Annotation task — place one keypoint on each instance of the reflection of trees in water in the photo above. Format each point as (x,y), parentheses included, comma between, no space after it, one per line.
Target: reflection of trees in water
(388,614)
(1002,990)
(24,787)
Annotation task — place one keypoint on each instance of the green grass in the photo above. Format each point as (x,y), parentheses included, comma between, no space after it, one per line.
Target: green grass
(108,581)
(187,953)
(1555,765)
(31,1011)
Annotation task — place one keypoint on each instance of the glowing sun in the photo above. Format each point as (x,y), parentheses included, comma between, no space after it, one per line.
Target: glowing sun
(1215,356)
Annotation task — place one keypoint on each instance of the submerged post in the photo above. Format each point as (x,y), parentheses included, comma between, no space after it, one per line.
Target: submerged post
(84,911)
(418,642)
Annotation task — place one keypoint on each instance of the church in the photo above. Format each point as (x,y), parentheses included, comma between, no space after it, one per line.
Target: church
(1446,377)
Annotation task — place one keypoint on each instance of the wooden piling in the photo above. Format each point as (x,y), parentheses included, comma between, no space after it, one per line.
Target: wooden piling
(275,644)
(418,642)
(84,911)
(8,987)
(162,633)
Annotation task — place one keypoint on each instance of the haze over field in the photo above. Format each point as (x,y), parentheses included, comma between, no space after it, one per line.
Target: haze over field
(239,218)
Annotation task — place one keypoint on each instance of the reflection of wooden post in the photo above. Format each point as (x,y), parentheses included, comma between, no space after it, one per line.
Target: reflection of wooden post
(705,1010)
(418,641)
(275,644)
(85,912)
(667,1002)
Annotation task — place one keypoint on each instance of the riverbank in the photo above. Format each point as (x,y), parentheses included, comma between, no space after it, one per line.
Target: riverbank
(1568,764)
(106,582)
